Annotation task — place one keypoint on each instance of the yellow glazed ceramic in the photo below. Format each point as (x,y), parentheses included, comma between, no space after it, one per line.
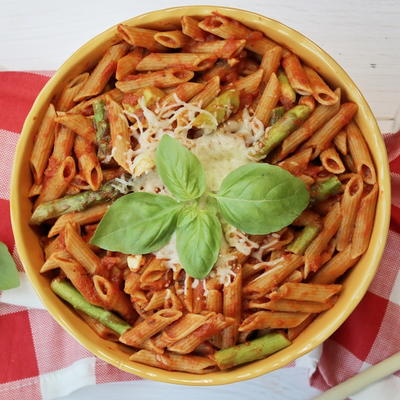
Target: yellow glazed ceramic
(356,282)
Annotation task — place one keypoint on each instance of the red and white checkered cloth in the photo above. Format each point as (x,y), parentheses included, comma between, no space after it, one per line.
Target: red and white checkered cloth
(37,356)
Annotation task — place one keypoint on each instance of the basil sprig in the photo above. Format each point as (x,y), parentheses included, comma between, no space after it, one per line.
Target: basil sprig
(255,198)
(9,277)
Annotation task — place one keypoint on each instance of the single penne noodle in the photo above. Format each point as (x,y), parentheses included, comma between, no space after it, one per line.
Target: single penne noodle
(269,279)
(188,293)
(295,276)
(336,267)
(208,93)
(185,92)
(308,101)
(268,100)
(113,298)
(364,223)
(175,362)
(98,327)
(227,28)
(140,37)
(43,144)
(80,250)
(270,62)
(35,190)
(149,327)
(185,61)
(198,296)
(232,308)
(156,300)
(161,79)
(297,163)
(250,83)
(63,144)
(79,124)
(54,246)
(323,137)
(305,292)
(65,101)
(318,118)
(102,72)
(350,208)
(214,300)
(340,142)
(360,154)
(331,161)
(132,282)
(153,272)
(316,247)
(171,39)
(127,64)
(320,90)
(86,107)
(292,333)
(190,27)
(89,165)
(293,305)
(272,320)
(212,326)
(296,74)
(120,134)
(55,185)
(221,48)
(223,70)
(172,300)
(249,270)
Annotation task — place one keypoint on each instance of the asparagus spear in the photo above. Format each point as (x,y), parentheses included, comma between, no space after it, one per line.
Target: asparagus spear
(302,241)
(290,121)
(75,202)
(68,293)
(322,190)
(288,95)
(251,351)
(222,107)
(276,115)
(103,137)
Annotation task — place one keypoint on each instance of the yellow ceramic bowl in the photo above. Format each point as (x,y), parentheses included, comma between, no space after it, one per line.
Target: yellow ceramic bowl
(356,282)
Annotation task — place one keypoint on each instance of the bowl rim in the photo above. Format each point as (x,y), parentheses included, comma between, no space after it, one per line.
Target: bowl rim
(157,374)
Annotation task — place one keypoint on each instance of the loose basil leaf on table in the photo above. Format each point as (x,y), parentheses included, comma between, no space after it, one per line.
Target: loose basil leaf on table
(198,240)
(261,198)
(180,170)
(137,223)
(9,277)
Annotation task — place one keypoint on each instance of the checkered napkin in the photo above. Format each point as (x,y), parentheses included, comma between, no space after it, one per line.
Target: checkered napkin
(39,360)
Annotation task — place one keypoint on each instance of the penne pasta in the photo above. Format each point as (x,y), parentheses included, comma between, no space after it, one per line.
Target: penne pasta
(79,124)
(220,48)
(65,101)
(320,90)
(340,142)
(171,39)
(190,27)
(293,305)
(270,62)
(140,37)
(250,83)
(296,74)
(305,292)
(331,161)
(208,93)
(272,320)
(294,332)
(127,64)
(268,100)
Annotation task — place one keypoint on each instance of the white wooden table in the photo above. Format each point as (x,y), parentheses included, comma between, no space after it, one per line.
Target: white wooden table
(362,35)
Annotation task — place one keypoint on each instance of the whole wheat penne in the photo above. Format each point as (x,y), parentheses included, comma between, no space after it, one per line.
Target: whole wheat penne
(360,154)
(53,246)
(272,320)
(140,37)
(65,101)
(79,124)
(293,305)
(172,300)
(292,333)
(208,93)
(296,74)
(308,101)
(295,276)
(270,62)
(185,92)
(268,100)
(171,39)
(190,27)
(63,144)
(297,163)
(198,296)
(227,28)
(246,66)
(127,64)
(185,61)
(156,301)
(318,118)
(161,79)
(250,83)
(221,48)
(153,275)
(364,222)
(336,267)
(350,208)
(43,144)
(80,250)
(323,137)
(149,327)
(331,161)
(232,307)
(89,165)
(175,362)
(269,279)
(305,292)
(320,90)
(102,72)
(314,250)
(113,298)
(223,70)
(214,300)
(340,142)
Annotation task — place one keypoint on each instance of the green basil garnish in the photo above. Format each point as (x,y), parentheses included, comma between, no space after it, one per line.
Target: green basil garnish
(9,278)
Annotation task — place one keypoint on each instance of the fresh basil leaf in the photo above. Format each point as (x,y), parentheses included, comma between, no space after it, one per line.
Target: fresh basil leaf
(198,240)
(137,223)
(180,170)
(9,277)
(261,198)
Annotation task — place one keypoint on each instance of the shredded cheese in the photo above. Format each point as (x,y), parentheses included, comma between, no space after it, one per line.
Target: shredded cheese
(238,239)
(169,254)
